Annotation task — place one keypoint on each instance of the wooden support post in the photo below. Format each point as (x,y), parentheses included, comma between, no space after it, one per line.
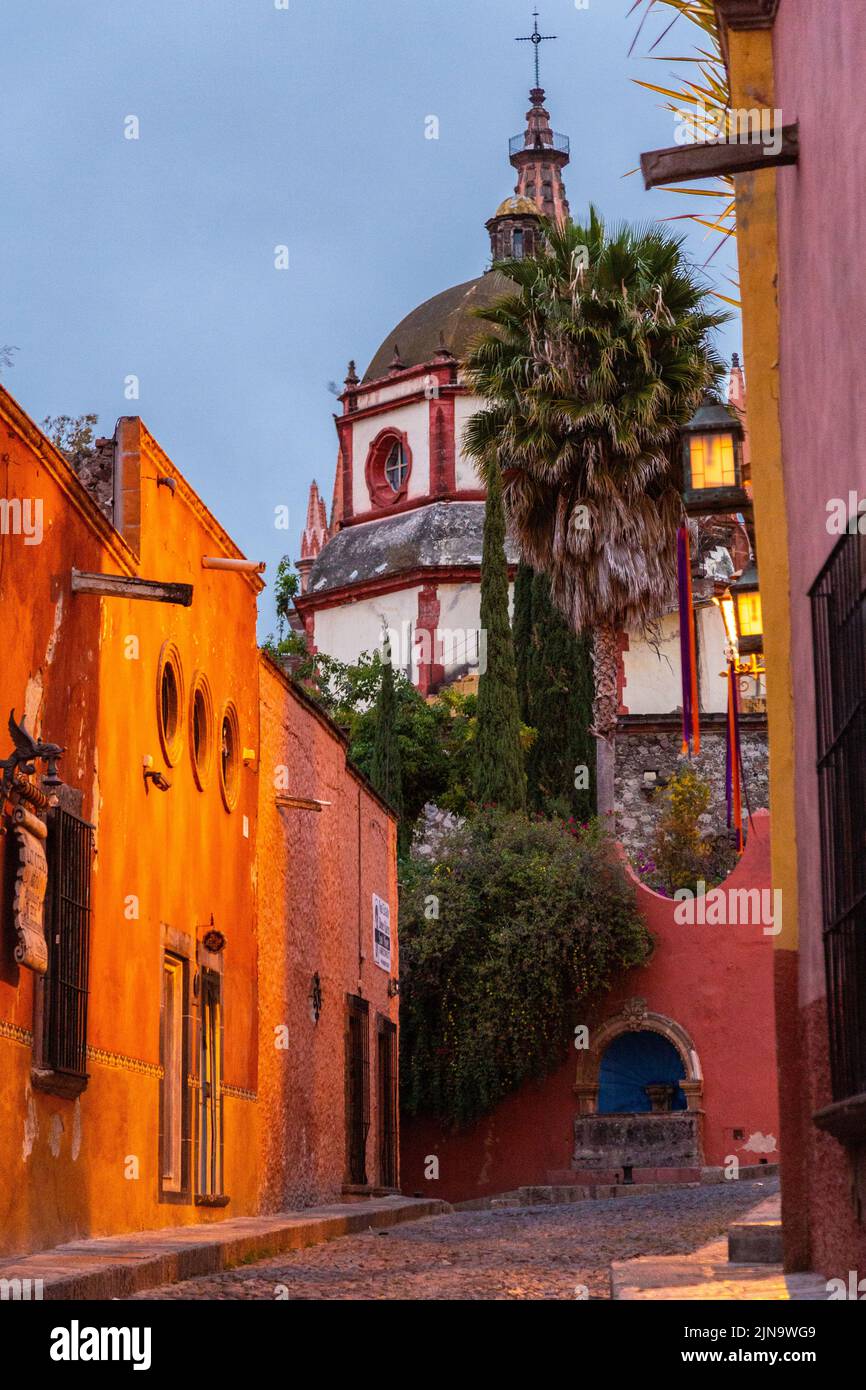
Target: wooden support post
(122,586)
(685,163)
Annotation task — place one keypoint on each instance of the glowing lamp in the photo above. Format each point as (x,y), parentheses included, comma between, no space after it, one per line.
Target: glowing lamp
(713,461)
(729,616)
(750,624)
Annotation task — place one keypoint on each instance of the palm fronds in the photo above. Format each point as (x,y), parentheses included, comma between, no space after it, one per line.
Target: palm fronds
(588,372)
(701,100)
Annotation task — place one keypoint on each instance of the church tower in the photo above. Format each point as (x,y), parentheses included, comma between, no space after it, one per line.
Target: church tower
(539,155)
(403,544)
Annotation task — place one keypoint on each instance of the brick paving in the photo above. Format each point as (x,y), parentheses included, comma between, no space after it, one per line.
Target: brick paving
(544,1252)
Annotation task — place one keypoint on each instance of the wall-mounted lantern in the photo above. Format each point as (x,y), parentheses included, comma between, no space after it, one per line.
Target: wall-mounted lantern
(728,609)
(750,624)
(713,461)
(159,780)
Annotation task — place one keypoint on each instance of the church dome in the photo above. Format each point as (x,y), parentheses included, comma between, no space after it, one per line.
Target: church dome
(449,314)
(517,206)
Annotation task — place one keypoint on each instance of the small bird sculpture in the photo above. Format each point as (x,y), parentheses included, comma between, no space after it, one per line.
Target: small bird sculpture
(27,752)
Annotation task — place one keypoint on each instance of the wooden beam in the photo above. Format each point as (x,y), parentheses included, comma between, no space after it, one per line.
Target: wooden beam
(684,163)
(121,586)
(301,803)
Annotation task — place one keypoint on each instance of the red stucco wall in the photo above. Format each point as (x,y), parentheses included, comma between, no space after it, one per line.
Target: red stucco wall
(715,982)
(317,873)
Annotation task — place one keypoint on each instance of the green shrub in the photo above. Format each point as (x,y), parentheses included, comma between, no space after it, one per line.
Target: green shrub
(681,855)
(502,942)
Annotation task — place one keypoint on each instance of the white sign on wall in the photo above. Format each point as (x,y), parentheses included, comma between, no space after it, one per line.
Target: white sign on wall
(381,933)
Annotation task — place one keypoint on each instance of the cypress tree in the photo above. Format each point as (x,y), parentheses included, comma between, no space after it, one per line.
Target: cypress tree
(499,775)
(559,708)
(522,634)
(385,771)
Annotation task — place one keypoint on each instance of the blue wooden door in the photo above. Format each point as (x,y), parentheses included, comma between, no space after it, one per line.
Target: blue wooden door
(632,1062)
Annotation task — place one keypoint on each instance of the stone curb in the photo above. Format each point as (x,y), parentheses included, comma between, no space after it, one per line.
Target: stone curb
(756,1239)
(117,1266)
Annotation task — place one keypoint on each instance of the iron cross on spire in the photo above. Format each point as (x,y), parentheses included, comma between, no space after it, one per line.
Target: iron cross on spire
(538,40)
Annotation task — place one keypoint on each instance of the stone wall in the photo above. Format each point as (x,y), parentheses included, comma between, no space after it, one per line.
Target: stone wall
(650,744)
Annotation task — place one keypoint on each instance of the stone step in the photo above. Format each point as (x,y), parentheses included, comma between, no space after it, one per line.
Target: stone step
(706,1276)
(567,1177)
(564,1194)
(616,1176)
(752,1172)
(757,1239)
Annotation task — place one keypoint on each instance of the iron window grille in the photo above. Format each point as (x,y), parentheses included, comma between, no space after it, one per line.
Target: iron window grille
(209,1180)
(357,1088)
(70,855)
(839,634)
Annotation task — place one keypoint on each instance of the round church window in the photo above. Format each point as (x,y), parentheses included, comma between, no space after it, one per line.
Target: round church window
(388,468)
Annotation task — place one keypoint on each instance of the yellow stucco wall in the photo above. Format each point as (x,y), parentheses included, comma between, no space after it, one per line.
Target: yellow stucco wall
(750,61)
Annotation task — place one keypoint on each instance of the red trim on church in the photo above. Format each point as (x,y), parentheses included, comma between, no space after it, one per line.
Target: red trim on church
(426,372)
(383,496)
(346,439)
(431,672)
(309,620)
(443,457)
(371,588)
(621,680)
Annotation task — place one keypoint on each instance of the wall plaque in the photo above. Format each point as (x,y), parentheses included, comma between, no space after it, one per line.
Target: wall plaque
(31,881)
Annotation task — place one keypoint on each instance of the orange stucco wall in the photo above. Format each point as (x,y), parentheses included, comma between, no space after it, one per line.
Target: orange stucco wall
(50,673)
(290,900)
(86,668)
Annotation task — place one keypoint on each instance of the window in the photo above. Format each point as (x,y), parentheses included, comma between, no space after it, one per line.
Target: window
(201,731)
(387,1077)
(388,468)
(70,854)
(209,1168)
(357,1088)
(169,694)
(229,757)
(713,462)
(839,634)
(174,1137)
(517,244)
(396,468)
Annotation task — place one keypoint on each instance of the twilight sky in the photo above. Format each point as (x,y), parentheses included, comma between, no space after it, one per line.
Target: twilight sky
(259,127)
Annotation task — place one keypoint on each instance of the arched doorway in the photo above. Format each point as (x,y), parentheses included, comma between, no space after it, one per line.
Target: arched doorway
(639,1086)
(640,1072)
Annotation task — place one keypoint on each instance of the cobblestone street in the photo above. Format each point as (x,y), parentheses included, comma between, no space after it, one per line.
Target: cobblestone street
(544,1252)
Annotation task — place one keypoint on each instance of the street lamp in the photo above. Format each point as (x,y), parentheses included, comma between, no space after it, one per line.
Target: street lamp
(713,461)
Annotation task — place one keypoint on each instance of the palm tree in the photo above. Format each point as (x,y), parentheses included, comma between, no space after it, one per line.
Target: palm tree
(589,370)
